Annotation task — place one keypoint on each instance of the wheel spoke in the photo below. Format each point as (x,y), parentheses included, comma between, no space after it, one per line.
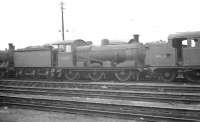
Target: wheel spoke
(192,76)
(123,75)
(71,75)
(95,75)
(168,76)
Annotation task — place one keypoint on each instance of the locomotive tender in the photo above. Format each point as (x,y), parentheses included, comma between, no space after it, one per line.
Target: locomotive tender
(73,60)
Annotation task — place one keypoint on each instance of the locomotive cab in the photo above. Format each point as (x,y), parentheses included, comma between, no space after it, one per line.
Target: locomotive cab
(66,50)
(187,47)
(64,55)
(179,57)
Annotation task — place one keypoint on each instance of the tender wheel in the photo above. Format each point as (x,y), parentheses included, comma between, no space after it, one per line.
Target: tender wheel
(168,76)
(96,75)
(71,75)
(123,75)
(192,76)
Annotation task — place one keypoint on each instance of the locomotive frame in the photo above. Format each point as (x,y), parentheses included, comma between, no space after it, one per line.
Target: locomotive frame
(160,61)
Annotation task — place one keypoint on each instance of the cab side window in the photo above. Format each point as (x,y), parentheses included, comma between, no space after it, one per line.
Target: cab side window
(189,43)
(65,48)
(68,49)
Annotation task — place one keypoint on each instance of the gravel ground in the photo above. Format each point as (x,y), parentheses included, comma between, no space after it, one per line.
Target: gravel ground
(25,115)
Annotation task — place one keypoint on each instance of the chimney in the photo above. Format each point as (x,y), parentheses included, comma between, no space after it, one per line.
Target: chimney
(136,37)
(11,46)
(104,42)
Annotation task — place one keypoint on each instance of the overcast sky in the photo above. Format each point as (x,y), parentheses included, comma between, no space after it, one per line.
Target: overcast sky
(37,22)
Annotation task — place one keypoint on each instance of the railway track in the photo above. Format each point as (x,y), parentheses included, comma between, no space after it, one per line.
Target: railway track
(168,97)
(121,109)
(108,99)
(177,81)
(170,93)
(157,87)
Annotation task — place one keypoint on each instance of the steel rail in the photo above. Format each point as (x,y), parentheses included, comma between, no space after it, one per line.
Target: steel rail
(112,94)
(114,86)
(103,82)
(107,109)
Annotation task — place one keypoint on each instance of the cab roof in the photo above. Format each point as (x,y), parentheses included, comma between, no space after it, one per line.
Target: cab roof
(78,42)
(185,35)
(65,42)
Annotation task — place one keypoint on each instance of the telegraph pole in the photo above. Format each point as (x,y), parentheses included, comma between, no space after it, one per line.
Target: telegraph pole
(63,28)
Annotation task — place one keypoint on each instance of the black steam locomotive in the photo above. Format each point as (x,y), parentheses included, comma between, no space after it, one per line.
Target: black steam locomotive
(73,60)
